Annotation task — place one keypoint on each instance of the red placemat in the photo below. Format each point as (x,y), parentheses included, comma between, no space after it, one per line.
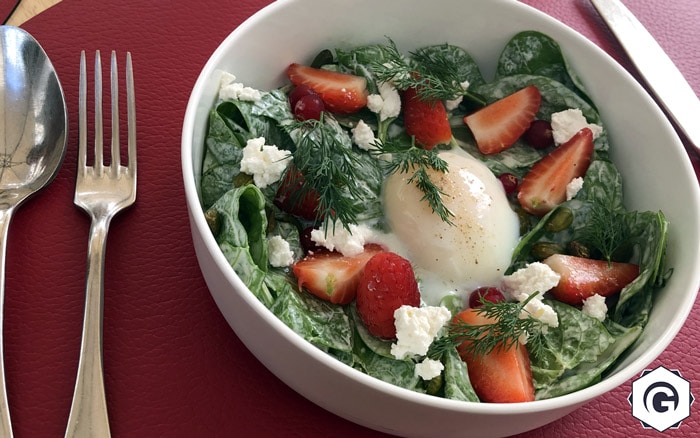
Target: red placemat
(173,366)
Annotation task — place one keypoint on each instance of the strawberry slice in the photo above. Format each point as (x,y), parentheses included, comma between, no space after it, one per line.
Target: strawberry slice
(502,375)
(289,198)
(388,282)
(341,92)
(332,276)
(582,278)
(426,120)
(498,125)
(544,186)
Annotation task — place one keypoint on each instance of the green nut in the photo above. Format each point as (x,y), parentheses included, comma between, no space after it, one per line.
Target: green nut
(560,220)
(578,249)
(542,250)
(242,179)
(213,220)
(434,385)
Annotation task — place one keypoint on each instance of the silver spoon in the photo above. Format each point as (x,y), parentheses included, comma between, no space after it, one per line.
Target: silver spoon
(33,135)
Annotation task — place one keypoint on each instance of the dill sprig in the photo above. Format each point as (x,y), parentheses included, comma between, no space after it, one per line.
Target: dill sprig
(329,168)
(511,323)
(406,158)
(606,229)
(434,77)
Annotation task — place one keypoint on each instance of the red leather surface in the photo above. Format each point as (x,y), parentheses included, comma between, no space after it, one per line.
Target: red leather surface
(173,366)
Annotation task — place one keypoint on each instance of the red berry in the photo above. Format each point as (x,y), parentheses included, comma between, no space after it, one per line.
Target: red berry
(388,282)
(539,134)
(297,93)
(307,244)
(293,198)
(489,293)
(510,182)
(309,107)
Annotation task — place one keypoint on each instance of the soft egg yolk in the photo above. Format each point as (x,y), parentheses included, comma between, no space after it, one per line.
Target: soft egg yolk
(473,251)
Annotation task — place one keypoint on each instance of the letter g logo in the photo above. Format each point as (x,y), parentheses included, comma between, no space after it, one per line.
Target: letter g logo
(663,397)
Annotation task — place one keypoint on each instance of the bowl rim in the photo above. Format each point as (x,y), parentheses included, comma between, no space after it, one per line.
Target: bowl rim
(579,397)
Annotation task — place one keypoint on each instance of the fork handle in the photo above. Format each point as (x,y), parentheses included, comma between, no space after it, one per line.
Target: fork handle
(88,415)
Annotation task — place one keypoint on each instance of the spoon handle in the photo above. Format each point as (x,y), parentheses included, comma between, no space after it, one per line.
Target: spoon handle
(5,423)
(88,414)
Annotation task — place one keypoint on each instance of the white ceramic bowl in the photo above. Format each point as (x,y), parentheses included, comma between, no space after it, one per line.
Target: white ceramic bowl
(656,172)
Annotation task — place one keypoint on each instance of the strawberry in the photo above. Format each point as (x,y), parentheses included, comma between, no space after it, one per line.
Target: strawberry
(341,92)
(502,375)
(387,283)
(582,278)
(426,120)
(498,125)
(544,186)
(332,276)
(289,199)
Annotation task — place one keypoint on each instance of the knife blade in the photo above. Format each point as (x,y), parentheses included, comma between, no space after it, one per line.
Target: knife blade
(663,78)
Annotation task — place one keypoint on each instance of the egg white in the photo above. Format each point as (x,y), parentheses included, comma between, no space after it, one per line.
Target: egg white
(475,250)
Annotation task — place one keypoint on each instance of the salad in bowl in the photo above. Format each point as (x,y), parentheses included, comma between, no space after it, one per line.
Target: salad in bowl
(420,229)
(451,235)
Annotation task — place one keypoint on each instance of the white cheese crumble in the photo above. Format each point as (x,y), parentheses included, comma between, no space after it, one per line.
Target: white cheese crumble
(451,104)
(595,307)
(535,277)
(416,327)
(265,163)
(349,241)
(573,188)
(568,122)
(539,310)
(363,136)
(387,103)
(429,369)
(229,89)
(279,253)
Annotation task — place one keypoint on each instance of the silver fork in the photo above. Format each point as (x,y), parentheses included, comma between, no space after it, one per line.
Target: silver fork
(102,191)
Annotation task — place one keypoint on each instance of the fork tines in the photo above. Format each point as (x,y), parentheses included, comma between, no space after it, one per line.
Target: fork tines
(115,160)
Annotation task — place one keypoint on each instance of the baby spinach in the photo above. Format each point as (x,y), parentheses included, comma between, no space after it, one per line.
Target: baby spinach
(534,53)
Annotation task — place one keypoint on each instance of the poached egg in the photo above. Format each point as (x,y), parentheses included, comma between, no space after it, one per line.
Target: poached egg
(475,249)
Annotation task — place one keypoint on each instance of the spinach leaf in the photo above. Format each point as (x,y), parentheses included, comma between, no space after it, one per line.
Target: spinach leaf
(241,237)
(457,385)
(578,339)
(231,124)
(398,372)
(534,53)
(649,231)
(321,323)
(221,159)
(448,63)
(589,373)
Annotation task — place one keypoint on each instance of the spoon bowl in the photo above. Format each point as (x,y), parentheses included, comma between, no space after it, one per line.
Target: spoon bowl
(33,135)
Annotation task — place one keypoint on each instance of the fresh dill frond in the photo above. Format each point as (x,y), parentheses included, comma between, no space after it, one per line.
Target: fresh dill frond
(606,229)
(511,324)
(329,168)
(434,77)
(407,158)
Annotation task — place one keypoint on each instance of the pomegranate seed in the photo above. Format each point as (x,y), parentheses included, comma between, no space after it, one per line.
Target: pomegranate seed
(309,107)
(510,182)
(539,134)
(489,293)
(297,93)
(307,244)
